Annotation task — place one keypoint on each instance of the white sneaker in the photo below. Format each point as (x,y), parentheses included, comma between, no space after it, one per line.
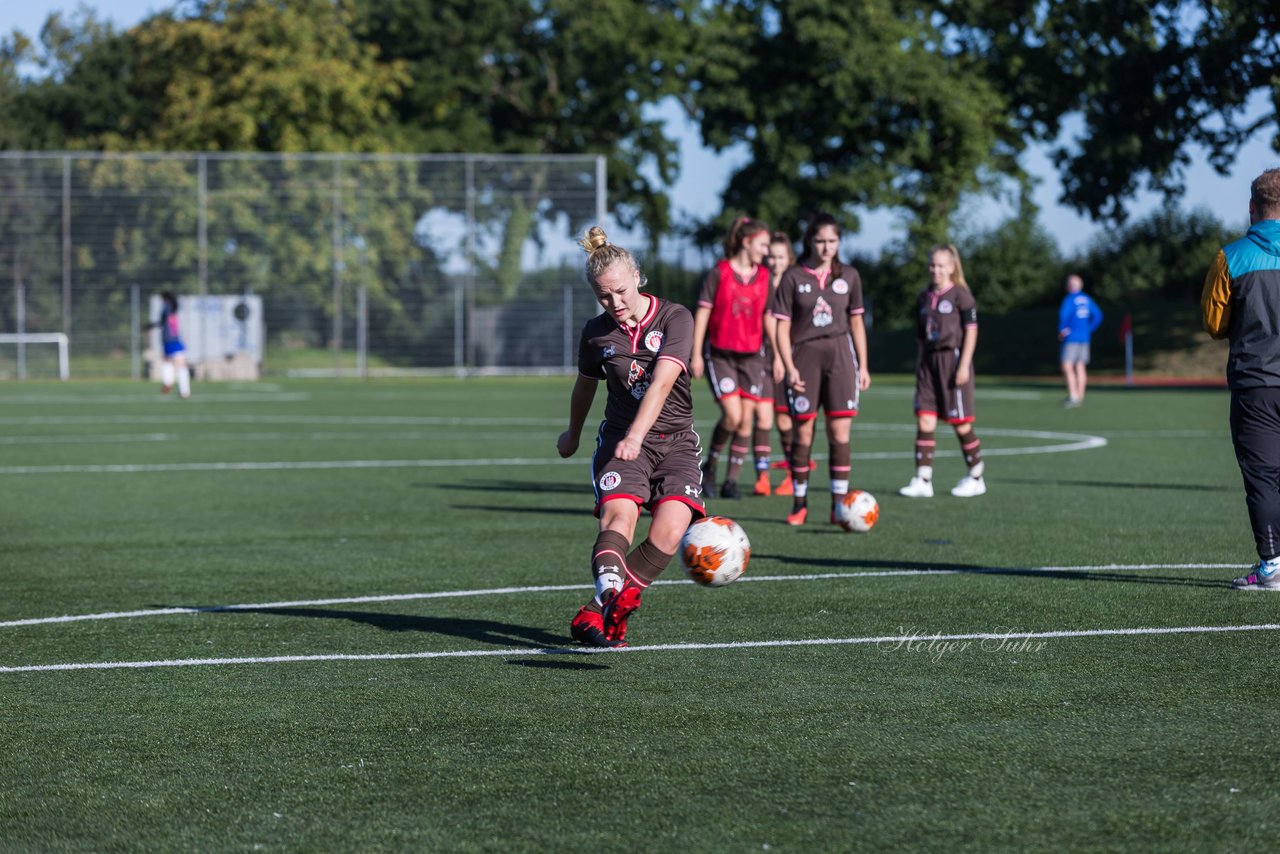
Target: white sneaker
(917,488)
(1265,576)
(968,487)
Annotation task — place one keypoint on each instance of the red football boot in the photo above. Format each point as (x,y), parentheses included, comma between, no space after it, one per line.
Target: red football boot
(587,628)
(616,612)
(797,517)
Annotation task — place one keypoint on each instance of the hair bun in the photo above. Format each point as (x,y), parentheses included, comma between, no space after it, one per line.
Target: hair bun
(593,239)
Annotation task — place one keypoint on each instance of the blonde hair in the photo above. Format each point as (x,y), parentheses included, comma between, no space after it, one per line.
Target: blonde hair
(1265,194)
(601,255)
(957,277)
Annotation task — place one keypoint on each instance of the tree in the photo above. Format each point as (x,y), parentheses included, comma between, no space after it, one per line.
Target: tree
(1152,80)
(540,77)
(844,106)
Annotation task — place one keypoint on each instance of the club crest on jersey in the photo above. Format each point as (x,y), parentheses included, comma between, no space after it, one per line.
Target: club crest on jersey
(726,384)
(637,379)
(653,341)
(610,480)
(822,313)
(840,286)
(945,307)
(802,404)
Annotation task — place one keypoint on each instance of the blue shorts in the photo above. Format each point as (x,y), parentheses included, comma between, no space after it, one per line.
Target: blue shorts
(173,348)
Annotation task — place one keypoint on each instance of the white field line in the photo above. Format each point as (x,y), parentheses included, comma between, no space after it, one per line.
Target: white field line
(558,588)
(215,397)
(1070,442)
(880,640)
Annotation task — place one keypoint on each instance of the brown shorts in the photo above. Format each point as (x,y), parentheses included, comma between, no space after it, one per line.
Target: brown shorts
(668,469)
(936,391)
(738,374)
(829,371)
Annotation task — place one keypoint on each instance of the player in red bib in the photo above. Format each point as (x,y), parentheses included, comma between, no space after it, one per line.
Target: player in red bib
(647,454)
(728,346)
(822,342)
(946,336)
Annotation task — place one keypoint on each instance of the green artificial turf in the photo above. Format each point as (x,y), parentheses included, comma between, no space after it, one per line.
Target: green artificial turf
(826,702)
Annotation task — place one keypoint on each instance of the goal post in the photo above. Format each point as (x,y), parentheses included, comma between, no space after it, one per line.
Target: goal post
(22,339)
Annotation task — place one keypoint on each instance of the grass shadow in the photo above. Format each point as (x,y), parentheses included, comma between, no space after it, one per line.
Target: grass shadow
(837,564)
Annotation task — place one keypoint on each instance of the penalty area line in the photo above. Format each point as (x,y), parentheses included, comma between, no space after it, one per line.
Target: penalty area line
(560,588)
(876,640)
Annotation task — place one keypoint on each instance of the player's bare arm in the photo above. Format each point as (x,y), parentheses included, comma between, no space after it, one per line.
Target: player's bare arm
(792,376)
(664,377)
(964,368)
(584,392)
(701,317)
(858,329)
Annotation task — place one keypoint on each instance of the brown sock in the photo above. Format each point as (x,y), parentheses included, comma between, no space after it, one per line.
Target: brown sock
(646,563)
(761,443)
(926,445)
(800,472)
(838,467)
(737,456)
(608,557)
(785,436)
(971,447)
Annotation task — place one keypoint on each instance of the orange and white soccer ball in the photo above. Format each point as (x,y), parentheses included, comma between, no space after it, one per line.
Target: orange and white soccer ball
(857,512)
(715,551)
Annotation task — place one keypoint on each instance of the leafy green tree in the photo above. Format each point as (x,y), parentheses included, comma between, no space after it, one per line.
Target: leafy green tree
(1153,82)
(545,77)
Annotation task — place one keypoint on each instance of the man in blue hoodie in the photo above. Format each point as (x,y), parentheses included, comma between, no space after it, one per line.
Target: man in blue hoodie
(1241,302)
(1078,319)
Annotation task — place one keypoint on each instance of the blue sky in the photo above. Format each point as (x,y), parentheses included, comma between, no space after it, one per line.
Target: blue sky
(704,172)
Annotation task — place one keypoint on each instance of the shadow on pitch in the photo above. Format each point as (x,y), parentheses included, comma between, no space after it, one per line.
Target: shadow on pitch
(510,485)
(480,631)
(836,565)
(1118,484)
(541,663)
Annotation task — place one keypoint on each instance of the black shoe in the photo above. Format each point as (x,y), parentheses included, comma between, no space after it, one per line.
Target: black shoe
(708,476)
(730,490)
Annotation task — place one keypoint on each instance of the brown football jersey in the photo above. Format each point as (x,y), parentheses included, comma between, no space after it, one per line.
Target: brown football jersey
(625,358)
(817,307)
(941,317)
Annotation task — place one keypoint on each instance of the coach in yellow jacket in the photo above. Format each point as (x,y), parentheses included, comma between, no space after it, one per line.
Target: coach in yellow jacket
(1241,302)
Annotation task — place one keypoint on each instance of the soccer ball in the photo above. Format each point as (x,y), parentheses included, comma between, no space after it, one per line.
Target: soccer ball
(857,512)
(715,551)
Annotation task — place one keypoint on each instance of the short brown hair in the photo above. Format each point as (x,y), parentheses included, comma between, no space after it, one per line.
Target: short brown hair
(1264,192)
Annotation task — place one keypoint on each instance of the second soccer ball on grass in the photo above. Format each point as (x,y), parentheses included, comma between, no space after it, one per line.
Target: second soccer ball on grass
(857,512)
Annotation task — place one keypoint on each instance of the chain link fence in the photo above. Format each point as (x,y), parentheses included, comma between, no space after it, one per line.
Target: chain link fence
(364,264)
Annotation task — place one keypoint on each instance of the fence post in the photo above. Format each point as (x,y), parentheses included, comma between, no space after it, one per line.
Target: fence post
(458,320)
(568,327)
(135,333)
(362,332)
(20,318)
(202,219)
(471,260)
(66,246)
(337,265)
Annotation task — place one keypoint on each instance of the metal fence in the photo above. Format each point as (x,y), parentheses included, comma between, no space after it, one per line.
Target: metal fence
(364,263)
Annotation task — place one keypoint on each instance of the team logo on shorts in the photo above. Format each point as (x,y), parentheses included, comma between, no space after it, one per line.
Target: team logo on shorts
(840,286)
(945,307)
(726,384)
(610,480)
(653,340)
(802,404)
